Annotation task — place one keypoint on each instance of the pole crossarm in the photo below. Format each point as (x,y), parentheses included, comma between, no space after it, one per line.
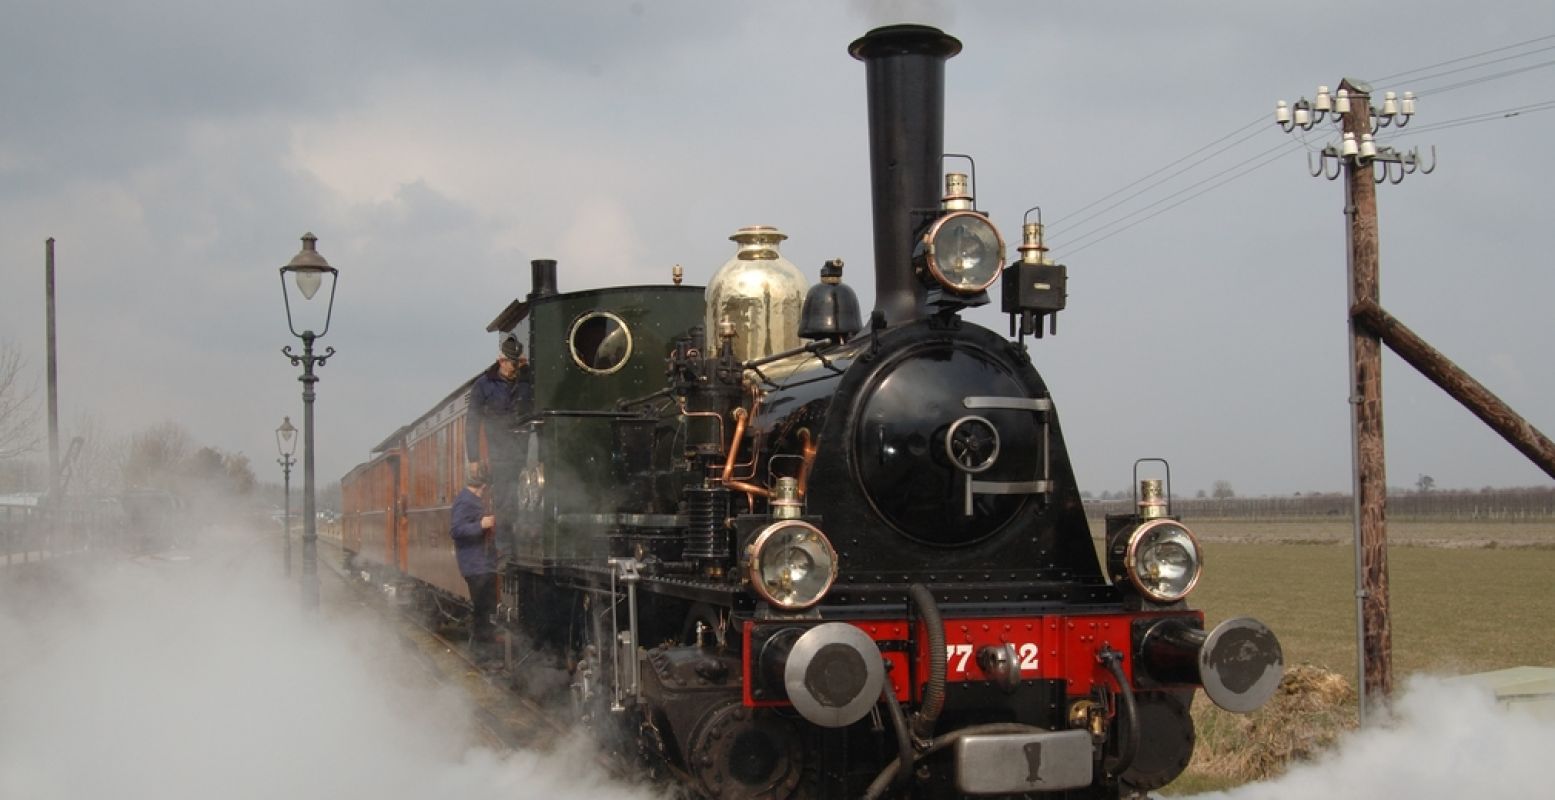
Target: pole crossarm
(1454,381)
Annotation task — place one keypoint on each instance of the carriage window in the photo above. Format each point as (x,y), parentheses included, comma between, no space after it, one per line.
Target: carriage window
(442,465)
(600,342)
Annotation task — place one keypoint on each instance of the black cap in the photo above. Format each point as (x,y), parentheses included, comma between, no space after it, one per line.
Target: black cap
(510,348)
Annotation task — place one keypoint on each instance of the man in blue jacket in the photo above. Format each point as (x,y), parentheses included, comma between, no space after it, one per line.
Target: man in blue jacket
(500,396)
(472,531)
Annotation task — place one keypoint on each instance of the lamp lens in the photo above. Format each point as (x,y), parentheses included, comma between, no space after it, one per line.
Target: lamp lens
(967,254)
(793,565)
(308,281)
(1166,561)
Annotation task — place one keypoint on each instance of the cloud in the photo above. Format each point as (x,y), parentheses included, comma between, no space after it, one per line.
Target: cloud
(177,152)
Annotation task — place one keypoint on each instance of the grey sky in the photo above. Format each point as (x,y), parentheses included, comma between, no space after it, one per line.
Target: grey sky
(177,150)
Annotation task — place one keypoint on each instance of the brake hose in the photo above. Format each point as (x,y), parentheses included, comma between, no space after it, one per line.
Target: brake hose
(934,692)
(905,754)
(1130,744)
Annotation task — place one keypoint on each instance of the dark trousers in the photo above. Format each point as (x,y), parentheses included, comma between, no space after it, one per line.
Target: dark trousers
(483,596)
(504,503)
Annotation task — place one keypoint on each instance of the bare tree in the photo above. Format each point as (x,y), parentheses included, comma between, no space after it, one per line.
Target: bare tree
(19,433)
(228,473)
(1221,490)
(99,466)
(156,456)
(240,475)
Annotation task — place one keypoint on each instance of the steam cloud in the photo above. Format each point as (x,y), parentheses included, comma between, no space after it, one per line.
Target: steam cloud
(153,678)
(156,678)
(1446,739)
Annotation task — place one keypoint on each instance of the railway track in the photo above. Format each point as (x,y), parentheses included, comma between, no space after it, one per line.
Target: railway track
(504,710)
(507,718)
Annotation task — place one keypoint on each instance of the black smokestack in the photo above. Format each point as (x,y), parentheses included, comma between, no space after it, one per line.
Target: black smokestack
(542,277)
(905,73)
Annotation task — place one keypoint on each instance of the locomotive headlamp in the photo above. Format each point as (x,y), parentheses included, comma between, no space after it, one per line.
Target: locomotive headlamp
(1163,560)
(791,564)
(964,252)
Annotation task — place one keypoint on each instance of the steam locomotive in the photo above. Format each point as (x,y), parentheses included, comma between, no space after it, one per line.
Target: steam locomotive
(793,553)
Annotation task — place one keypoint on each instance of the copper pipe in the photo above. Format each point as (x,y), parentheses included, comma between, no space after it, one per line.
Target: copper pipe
(734,447)
(750,488)
(734,452)
(713,414)
(755,405)
(808,446)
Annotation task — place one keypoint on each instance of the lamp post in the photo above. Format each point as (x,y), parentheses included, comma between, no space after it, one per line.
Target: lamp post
(308,268)
(286,444)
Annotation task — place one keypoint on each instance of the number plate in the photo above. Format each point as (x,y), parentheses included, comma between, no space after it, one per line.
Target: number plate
(964,639)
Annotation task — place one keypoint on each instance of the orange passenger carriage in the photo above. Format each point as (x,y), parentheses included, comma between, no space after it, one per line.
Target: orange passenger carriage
(396,507)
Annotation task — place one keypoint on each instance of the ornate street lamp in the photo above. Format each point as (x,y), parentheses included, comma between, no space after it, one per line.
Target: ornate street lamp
(308,268)
(286,444)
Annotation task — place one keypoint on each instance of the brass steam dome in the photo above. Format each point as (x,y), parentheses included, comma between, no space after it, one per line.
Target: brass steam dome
(760,292)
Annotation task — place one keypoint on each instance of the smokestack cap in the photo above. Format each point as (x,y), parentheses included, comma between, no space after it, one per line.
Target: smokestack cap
(542,277)
(904,40)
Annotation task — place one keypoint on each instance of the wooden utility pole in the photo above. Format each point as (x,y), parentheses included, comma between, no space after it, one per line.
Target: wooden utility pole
(1364,165)
(1374,635)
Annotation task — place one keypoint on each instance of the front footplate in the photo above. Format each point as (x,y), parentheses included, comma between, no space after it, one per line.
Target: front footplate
(1014,763)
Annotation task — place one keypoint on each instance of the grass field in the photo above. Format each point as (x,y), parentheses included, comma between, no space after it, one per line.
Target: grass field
(1460,609)
(1464,597)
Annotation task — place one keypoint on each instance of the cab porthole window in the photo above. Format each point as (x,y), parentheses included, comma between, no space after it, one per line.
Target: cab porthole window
(600,342)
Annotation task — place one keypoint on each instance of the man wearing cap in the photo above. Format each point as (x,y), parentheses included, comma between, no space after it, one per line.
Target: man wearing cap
(500,396)
(471,528)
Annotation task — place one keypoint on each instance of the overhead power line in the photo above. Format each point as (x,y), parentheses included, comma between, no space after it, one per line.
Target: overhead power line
(1188,168)
(1485,78)
(1475,119)
(1410,74)
(1264,158)
(1166,174)
(1480,65)
(1254,123)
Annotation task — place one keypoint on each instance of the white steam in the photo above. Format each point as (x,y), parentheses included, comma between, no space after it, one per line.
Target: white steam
(160,679)
(1446,739)
(895,12)
(156,678)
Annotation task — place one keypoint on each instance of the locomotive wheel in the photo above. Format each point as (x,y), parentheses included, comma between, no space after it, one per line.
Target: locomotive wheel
(1164,754)
(738,752)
